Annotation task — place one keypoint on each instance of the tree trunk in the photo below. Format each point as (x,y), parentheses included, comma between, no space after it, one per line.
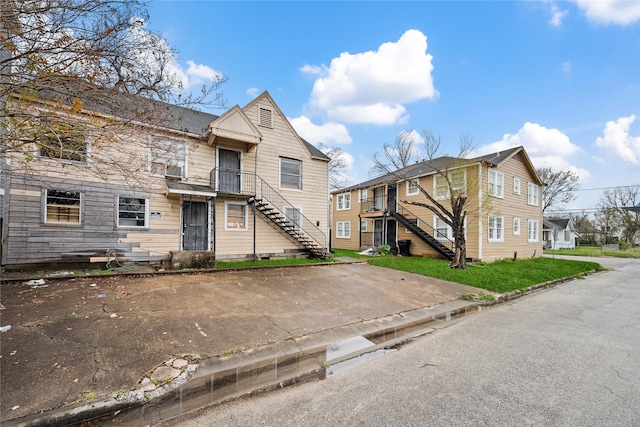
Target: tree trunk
(460,259)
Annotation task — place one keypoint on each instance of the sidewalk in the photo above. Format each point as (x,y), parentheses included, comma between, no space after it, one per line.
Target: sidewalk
(76,343)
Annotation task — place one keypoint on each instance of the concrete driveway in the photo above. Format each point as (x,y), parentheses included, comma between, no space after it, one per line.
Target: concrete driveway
(93,336)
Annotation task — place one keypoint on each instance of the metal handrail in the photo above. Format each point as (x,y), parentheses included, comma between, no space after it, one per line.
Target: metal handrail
(250,184)
(445,241)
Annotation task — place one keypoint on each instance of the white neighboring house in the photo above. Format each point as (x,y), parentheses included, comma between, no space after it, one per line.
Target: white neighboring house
(559,234)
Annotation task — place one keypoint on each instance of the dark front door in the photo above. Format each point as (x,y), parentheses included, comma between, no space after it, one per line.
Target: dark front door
(195,226)
(391,198)
(378,232)
(391,233)
(228,171)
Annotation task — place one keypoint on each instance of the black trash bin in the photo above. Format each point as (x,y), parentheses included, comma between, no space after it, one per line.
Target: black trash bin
(403,246)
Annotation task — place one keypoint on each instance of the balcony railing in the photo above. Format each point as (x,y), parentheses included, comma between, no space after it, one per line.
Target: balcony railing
(372,205)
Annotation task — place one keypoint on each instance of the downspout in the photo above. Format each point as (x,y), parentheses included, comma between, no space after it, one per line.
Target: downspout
(480,214)
(213,220)
(255,193)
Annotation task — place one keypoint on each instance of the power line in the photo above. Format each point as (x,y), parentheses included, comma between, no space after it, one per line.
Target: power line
(605,188)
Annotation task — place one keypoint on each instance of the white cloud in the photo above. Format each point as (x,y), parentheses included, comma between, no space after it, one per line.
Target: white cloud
(616,143)
(194,74)
(557,15)
(327,133)
(621,12)
(566,66)
(371,87)
(537,140)
(546,147)
(253,91)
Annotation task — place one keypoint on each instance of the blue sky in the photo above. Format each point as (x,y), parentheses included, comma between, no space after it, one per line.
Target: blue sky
(560,78)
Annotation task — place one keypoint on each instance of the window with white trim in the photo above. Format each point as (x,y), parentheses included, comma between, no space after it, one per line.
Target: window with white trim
(413,221)
(364,225)
(167,157)
(412,187)
(235,216)
(343,230)
(343,201)
(294,215)
(59,140)
(567,235)
(362,195)
(290,174)
(496,228)
(496,183)
(516,185)
(63,207)
(133,212)
(532,194)
(442,189)
(533,230)
(516,226)
(442,229)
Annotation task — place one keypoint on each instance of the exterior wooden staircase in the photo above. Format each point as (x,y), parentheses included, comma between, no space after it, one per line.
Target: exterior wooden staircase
(443,246)
(274,207)
(291,227)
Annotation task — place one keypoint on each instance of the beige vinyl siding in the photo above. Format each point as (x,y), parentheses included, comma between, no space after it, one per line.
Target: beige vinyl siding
(352,216)
(280,141)
(512,205)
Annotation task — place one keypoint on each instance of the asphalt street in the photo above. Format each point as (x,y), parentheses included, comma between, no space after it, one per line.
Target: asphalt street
(568,356)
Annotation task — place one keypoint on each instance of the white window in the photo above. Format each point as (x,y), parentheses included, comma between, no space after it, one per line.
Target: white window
(496,228)
(532,194)
(516,185)
(61,141)
(294,215)
(412,187)
(343,201)
(362,195)
(235,216)
(343,230)
(290,174)
(62,207)
(516,226)
(443,231)
(363,225)
(167,157)
(133,212)
(533,230)
(441,188)
(496,183)
(265,117)
(413,221)
(567,235)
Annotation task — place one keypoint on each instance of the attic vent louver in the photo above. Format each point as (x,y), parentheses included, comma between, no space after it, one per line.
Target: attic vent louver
(265,117)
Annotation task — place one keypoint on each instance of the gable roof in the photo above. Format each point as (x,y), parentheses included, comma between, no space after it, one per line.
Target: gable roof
(313,151)
(234,124)
(136,108)
(430,167)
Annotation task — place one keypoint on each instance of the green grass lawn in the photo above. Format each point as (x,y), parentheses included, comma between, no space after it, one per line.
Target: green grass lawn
(596,251)
(499,276)
(268,263)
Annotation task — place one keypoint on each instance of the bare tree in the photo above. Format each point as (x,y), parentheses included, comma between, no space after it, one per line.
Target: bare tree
(337,166)
(559,186)
(394,159)
(71,68)
(622,205)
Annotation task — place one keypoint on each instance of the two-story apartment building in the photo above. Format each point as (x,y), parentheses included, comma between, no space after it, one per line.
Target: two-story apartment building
(504,208)
(240,185)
